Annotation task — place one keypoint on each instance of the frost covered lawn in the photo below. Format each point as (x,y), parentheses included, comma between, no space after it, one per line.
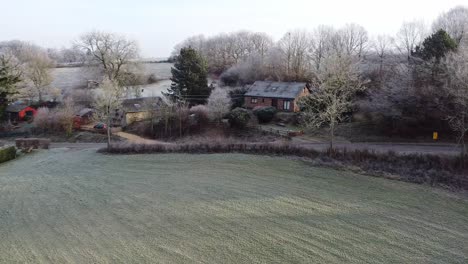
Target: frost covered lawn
(82,207)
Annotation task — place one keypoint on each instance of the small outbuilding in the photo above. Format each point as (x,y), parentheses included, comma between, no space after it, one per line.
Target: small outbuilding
(281,95)
(83,117)
(139,109)
(20,112)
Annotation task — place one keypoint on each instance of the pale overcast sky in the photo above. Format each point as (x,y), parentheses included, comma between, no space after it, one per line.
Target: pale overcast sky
(159,25)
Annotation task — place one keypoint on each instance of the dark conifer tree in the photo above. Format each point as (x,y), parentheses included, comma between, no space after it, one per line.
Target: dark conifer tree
(189,78)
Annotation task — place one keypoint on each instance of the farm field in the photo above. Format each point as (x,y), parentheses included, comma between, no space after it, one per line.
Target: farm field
(68,79)
(77,206)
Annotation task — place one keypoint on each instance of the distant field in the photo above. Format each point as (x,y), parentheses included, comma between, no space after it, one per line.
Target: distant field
(62,206)
(72,78)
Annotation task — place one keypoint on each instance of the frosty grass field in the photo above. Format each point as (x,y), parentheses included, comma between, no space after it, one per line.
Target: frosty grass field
(77,206)
(68,79)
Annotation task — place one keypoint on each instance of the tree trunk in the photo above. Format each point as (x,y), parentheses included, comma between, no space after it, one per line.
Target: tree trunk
(332,134)
(108,128)
(180,125)
(462,142)
(463,150)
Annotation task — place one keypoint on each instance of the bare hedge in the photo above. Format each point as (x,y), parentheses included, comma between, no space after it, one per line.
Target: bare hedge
(7,153)
(35,143)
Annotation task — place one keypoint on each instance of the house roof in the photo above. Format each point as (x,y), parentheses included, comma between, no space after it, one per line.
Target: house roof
(276,89)
(16,108)
(141,104)
(85,111)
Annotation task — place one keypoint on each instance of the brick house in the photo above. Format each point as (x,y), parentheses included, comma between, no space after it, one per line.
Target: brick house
(281,95)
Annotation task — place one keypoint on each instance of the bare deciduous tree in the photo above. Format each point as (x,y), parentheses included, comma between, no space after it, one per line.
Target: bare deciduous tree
(38,72)
(354,39)
(339,83)
(457,88)
(382,48)
(295,47)
(110,52)
(227,49)
(321,44)
(10,75)
(153,106)
(67,112)
(262,43)
(454,22)
(107,102)
(410,35)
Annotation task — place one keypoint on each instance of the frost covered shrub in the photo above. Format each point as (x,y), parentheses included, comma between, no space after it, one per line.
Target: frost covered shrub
(57,120)
(265,114)
(41,120)
(239,117)
(202,114)
(47,120)
(219,103)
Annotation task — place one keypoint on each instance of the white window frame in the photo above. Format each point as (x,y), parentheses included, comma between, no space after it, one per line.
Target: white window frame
(253,100)
(286,105)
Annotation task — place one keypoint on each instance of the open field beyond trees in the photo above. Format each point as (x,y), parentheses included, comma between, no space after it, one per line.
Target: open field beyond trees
(78,206)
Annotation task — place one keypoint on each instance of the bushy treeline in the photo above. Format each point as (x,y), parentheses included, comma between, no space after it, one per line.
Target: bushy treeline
(176,120)
(407,77)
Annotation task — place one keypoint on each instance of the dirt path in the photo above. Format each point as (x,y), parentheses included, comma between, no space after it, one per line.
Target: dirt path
(137,139)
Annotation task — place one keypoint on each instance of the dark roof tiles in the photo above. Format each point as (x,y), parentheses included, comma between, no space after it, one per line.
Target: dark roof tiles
(141,104)
(15,108)
(288,90)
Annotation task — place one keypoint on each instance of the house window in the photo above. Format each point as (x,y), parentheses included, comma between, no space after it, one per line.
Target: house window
(263,100)
(286,105)
(253,100)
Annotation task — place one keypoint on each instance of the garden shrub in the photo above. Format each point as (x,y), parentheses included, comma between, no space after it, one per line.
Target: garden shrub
(265,113)
(239,117)
(202,114)
(7,153)
(237,97)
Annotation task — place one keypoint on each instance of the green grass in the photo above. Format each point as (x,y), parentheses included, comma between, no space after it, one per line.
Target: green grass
(61,206)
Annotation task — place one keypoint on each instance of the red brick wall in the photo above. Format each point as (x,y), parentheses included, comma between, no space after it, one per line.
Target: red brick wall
(260,102)
(267,102)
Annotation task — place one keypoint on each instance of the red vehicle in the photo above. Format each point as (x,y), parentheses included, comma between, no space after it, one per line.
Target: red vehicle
(20,112)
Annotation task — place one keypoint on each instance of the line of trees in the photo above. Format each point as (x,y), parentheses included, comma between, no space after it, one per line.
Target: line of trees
(33,66)
(407,84)
(25,72)
(242,57)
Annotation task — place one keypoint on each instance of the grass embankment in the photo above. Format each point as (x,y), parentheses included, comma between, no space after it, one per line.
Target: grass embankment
(436,170)
(62,206)
(7,153)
